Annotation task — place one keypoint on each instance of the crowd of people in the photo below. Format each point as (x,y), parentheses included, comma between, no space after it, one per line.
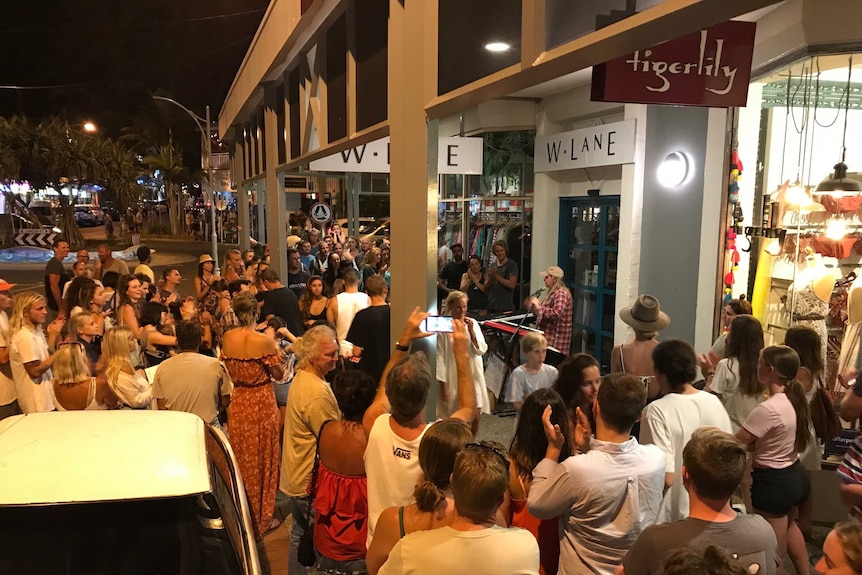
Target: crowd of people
(672,463)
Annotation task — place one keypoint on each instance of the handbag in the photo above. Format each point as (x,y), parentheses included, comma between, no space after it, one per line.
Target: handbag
(305,553)
(823,416)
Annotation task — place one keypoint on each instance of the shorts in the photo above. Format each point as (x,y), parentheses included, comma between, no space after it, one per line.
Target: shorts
(281,390)
(776,491)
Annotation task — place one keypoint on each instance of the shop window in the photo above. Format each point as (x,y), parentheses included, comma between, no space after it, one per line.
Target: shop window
(293,79)
(475,39)
(281,111)
(336,79)
(589,230)
(566,20)
(372,37)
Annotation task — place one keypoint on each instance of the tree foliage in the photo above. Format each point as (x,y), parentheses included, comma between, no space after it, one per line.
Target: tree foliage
(54,153)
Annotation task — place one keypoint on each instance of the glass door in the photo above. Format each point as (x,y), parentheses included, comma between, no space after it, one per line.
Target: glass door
(589,239)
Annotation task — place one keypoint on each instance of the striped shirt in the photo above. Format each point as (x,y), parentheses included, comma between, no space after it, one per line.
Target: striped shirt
(850,470)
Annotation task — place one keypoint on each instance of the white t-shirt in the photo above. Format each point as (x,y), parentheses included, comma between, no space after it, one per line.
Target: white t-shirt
(392,468)
(773,423)
(7,385)
(447,371)
(725,384)
(668,423)
(348,305)
(497,550)
(33,394)
(522,383)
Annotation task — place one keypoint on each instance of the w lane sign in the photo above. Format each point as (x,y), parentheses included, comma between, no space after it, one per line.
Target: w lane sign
(605,145)
(454,156)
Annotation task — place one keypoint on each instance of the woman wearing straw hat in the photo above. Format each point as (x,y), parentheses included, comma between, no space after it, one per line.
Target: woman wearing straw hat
(554,316)
(208,298)
(635,357)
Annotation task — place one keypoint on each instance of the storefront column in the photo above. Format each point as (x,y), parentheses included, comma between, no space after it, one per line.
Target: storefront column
(275,201)
(260,188)
(679,244)
(242,195)
(413,176)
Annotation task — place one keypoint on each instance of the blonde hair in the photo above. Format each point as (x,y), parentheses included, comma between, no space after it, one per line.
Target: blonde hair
(24,302)
(532,341)
(306,347)
(115,353)
(246,310)
(557,284)
(71,364)
(454,296)
(78,321)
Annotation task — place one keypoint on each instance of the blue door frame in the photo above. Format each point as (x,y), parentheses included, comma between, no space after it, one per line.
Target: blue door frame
(588,245)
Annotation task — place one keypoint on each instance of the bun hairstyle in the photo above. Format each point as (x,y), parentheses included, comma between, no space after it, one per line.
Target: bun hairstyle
(438,449)
(245,307)
(785,361)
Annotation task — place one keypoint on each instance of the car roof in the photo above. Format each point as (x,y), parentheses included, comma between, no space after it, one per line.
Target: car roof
(94,456)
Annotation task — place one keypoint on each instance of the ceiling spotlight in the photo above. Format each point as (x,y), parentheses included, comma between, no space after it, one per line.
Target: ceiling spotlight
(497,47)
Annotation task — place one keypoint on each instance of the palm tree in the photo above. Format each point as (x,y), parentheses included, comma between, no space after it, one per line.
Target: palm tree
(169,163)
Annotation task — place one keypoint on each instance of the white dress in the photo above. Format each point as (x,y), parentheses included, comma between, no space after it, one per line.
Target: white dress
(448,373)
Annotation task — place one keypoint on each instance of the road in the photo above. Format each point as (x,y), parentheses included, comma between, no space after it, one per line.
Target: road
(168,253)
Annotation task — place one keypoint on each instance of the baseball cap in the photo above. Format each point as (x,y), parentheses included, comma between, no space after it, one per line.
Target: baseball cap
(5,286)
(554,271)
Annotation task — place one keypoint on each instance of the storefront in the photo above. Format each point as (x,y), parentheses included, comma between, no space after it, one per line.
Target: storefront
(324,77)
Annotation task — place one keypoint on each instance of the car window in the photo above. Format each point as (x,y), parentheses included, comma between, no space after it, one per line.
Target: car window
(151,536)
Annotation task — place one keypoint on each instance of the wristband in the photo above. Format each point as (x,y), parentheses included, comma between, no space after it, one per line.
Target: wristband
(400,347)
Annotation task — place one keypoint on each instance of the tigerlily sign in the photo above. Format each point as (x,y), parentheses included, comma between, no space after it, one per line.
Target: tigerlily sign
(710,68)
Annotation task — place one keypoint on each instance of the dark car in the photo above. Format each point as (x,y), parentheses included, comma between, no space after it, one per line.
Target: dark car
(84,217)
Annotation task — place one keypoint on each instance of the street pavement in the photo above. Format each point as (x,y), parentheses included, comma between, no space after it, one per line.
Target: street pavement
(181,254)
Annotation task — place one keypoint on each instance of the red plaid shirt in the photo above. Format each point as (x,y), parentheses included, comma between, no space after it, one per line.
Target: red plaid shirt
(555,319)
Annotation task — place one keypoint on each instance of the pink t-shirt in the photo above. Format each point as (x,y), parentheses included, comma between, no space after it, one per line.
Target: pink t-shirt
(773,423)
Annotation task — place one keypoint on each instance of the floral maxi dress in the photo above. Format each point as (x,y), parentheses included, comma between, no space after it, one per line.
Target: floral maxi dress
(254,429)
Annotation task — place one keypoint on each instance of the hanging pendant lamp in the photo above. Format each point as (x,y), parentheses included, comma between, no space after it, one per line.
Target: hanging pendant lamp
(839,182)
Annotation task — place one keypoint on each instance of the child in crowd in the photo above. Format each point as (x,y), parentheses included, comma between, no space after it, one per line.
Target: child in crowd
(534,373)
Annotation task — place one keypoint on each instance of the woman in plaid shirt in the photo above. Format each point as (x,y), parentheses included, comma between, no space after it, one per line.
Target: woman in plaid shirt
(554,316)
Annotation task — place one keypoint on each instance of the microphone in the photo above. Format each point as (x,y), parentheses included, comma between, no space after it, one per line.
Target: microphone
(537,292)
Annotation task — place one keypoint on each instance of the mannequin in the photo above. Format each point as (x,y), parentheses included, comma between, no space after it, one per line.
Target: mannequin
(809,296)
(850,343)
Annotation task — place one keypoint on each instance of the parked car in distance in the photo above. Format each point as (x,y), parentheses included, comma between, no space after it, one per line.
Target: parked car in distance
(121,491)
(42,210)
(98,214)
(84,217)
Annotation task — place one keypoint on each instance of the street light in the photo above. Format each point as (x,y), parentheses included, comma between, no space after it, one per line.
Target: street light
(209,151)
(89,127)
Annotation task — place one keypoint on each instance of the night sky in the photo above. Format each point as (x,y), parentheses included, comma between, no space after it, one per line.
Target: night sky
(108,56)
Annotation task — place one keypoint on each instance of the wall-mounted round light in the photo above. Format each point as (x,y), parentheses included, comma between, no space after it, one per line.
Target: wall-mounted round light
(497,47)
(675,170)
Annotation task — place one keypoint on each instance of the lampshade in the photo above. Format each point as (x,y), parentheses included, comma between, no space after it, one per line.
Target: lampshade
(839,182)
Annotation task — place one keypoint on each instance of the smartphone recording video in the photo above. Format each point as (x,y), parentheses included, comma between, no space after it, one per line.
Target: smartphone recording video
(437,323)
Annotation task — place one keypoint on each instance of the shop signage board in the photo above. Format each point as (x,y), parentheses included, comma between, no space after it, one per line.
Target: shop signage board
(454,156)
(605,145)
(710,68)
(321,213)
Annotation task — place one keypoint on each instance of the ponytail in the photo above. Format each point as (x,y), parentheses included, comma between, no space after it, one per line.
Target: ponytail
(428,495)
(794,392)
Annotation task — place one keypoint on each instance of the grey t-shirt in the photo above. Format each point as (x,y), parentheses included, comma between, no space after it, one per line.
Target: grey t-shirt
(522,383)
(749,538)
(501,298)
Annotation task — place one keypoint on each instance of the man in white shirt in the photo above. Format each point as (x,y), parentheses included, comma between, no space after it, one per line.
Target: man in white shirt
(669,422)
(395,420)
(606,496)
(472,543)
(8,399)
(343,308)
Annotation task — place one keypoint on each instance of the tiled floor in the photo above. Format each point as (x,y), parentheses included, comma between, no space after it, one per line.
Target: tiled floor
(273,551)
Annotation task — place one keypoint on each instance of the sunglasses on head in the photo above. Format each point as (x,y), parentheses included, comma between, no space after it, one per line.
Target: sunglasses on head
(503,457)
